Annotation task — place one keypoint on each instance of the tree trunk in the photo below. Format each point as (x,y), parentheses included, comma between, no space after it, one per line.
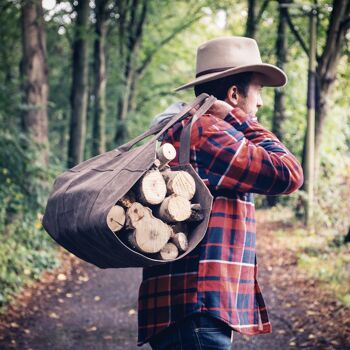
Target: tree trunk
(99,133)
(254,16)
(279,115)
(326,71)
(130,34)
(34,71)
(79,86)
(251,19)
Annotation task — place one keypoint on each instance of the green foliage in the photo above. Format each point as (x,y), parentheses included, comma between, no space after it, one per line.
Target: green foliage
(25,248)
(320,254)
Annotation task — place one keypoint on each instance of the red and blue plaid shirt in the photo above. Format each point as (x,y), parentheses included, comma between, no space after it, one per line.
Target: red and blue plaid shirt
(235,157)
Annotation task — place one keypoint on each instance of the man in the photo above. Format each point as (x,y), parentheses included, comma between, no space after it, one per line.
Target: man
(198,301)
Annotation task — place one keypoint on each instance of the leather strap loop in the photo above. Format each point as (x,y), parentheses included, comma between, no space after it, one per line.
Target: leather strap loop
(159,129)
(185,137)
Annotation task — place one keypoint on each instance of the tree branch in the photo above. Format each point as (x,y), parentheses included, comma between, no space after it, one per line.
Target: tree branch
(262,9)
(146,62)
(335,35)
(296,33)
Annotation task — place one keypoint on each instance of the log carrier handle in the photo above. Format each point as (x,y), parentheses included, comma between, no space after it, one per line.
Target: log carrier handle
(159,129)
(185,138)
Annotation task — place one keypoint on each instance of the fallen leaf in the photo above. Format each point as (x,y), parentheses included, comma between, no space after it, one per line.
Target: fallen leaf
(131,312)
(97,298)
(310,312)
(26,331)
(107,337)
(91,329)
(14,325)
(311,336)
(53,315)
(83,278)
(61,277)
(69,295)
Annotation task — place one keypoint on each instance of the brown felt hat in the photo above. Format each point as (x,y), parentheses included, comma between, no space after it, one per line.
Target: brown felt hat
(222,57)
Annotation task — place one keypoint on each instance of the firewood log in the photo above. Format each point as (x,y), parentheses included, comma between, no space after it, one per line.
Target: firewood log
(180,227)
(127,200)
(180,183)
(174,208)
(165,154)
(116,218)
(151,188)
(169,252)
(180,240)
(197,213)
(149,234)
(156,164)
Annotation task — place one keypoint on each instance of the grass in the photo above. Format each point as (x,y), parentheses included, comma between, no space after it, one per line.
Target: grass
(322,254)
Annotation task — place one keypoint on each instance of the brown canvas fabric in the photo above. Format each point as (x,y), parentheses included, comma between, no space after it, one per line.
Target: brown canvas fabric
(77,208)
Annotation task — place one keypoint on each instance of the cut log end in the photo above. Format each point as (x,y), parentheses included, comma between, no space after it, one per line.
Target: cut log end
(169,252)
(150,234)
(180,240)
(174,208)
(166,153)
(116,218)
(180,183)
(152,188)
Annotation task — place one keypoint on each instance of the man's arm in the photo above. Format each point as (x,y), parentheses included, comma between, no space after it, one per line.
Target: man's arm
(239,154)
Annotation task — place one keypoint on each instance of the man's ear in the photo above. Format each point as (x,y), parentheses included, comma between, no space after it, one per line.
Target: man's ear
(232,96)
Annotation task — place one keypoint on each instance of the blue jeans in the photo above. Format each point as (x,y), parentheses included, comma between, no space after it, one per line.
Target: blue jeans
(197,332)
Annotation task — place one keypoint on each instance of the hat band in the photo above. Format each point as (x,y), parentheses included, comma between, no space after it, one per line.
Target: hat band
(215,70)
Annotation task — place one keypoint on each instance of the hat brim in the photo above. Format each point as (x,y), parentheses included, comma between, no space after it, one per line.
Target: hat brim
(270,75)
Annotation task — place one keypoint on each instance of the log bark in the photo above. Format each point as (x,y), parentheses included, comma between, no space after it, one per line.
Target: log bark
(127,200)
(149,234)
(180,227)
(180,183)
(151,188)
(174,208)
(116,218)
(197,213)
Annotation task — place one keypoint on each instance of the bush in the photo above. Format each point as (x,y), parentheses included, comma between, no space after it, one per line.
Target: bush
(25,248)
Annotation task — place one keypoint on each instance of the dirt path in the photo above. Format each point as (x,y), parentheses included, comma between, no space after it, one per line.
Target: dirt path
(81,307)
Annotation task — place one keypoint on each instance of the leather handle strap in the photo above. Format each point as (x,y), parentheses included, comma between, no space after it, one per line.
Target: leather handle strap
(185,137)
(159,129)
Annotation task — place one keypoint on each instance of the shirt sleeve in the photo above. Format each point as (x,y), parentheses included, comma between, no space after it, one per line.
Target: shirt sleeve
(239,154)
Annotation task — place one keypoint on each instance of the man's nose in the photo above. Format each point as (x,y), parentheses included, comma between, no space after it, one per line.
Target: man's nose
(259,102)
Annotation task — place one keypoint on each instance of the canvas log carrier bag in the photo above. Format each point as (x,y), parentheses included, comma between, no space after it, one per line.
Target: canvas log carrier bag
(77,208)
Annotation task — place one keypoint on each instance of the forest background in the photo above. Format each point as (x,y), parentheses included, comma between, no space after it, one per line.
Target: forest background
(78,78)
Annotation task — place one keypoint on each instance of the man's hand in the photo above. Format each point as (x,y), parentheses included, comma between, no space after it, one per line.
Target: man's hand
(220,109)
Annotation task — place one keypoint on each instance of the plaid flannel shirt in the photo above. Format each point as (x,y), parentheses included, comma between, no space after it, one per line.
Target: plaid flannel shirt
(235,157)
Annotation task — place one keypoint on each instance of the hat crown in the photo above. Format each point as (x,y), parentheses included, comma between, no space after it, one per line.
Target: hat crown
(228,52)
